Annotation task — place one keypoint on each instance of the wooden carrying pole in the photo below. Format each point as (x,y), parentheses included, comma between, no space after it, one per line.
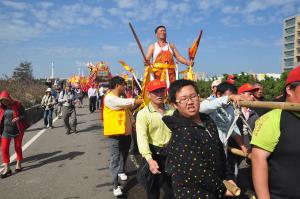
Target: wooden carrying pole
(236,191)
(237,152)
(138,42)
(269,105)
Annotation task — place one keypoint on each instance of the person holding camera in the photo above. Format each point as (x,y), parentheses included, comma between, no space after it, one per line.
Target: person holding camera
(48,102)
(68,98)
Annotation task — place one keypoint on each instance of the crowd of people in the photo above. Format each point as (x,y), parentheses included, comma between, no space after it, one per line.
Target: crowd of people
(185,142)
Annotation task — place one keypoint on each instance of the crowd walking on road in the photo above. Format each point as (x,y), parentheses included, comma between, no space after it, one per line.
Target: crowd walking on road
(190,147)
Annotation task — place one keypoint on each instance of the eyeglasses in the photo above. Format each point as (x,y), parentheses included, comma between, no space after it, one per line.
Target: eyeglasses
(185,99)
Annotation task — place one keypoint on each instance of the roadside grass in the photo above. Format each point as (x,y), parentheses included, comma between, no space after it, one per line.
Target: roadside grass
(28,92)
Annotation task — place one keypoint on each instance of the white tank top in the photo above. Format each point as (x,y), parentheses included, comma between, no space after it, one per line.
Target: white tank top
(157,50)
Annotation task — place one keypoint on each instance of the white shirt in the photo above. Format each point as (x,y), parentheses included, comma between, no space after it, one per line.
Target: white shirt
(92,92)
(157,49)
(117,103)
(101,91)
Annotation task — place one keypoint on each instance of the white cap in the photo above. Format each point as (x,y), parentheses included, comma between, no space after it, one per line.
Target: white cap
(216,83)
(49,90)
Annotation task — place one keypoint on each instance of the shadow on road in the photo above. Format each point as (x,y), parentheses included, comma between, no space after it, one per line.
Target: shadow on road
(35,129)
(105,168)
(67,156)
(91,128)
(41,156)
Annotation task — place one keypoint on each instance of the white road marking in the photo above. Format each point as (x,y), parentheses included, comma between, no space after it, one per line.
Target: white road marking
(25,146)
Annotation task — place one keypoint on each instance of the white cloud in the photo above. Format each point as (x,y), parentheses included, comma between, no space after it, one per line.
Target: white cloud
(40,15)
(48,20)
(110,48)
(161,5)
(209,4)
(18,30)
(45,5)
(180,8)
(231,9)
(231,21)
(15,5)
(126,4)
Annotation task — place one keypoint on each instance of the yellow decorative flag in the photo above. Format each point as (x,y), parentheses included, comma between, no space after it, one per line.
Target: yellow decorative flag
(184,72)
(126,67)
(146,80)
(190,75)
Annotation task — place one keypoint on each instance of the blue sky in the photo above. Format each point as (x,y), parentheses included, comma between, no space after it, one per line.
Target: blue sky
(239,35)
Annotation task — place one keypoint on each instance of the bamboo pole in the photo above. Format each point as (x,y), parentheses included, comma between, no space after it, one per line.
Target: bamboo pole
(235,190)
(237,152)
(269,105)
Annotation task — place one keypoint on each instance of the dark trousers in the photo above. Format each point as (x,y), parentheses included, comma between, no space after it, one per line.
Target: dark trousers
(134,150)
(93,100)
(162,180)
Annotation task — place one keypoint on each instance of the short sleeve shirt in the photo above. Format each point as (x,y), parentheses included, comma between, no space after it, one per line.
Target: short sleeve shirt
(267,131)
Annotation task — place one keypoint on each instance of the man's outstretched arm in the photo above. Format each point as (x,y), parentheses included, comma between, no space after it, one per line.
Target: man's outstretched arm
(179,57)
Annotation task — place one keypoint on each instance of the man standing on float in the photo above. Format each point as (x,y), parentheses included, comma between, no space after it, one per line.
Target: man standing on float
(162,53)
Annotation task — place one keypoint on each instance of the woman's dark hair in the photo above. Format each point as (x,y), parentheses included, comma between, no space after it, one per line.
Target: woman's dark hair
(116,80)
(225,86)
(161,26)
(292,86)
(177,85)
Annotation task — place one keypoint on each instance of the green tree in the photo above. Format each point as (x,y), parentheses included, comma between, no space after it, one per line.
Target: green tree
(204,88)
(23,72)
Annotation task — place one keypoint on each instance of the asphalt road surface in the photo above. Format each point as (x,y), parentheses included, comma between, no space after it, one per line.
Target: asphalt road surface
(61,166)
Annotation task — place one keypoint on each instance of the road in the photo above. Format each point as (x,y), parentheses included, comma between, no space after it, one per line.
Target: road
(61,166)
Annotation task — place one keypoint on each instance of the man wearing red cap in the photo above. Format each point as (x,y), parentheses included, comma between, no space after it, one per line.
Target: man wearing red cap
(245,123)
(276,148)
(152,136)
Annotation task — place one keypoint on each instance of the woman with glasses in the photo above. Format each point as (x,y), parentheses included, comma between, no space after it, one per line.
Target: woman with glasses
(196,159)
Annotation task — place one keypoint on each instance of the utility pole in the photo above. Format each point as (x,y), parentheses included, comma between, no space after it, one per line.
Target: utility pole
(52,70)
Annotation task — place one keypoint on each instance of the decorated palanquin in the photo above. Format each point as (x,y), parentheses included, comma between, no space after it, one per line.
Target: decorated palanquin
(99,72)
(79,82)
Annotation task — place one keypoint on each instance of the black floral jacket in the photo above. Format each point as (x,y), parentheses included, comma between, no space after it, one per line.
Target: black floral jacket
(196,156)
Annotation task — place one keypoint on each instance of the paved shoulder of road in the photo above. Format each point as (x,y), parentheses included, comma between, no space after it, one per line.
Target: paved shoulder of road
(63,166)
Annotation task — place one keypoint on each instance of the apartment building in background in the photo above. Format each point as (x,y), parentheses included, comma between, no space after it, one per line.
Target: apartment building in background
(291,43)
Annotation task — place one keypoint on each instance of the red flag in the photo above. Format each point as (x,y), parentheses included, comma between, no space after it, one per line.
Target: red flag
(193,49)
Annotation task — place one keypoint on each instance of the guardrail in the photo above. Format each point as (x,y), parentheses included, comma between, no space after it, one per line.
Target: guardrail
(34,114)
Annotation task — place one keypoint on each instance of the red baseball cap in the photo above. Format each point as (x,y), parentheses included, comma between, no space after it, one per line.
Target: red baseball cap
(230,81)
(245,88)
(156,84)
(231,77)
(293,76)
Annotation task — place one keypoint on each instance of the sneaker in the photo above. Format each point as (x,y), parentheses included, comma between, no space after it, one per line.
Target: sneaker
(117,191)
(122,176)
